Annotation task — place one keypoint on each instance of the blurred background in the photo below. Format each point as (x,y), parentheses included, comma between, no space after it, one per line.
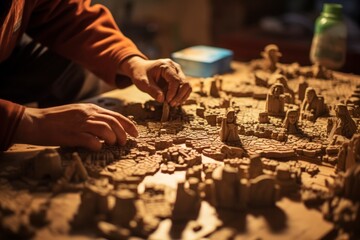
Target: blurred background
(160,27)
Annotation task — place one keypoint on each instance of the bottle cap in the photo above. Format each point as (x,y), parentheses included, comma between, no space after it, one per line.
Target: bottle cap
(333,9)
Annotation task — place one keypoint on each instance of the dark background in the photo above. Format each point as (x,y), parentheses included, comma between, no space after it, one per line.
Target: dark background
(160,27)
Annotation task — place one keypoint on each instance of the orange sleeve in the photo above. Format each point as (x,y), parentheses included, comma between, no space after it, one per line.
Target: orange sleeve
(85,34)
(10,115)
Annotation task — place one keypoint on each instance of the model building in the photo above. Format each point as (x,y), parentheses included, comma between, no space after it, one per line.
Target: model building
(277,157)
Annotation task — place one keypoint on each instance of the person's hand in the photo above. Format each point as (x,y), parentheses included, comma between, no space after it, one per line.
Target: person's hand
(162,79)
(82,125)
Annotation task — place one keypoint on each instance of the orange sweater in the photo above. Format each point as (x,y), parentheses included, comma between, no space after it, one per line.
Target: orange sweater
(85,34)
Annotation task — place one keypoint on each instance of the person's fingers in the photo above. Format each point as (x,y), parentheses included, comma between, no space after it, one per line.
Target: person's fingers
(85,140)
(183,90)
(148,86)
(186,96)
(178,70)
(172,78)
(115,125)
(155,91)
(126,123)
(100,129)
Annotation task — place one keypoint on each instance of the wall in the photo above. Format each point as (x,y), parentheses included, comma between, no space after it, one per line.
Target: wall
(178,23)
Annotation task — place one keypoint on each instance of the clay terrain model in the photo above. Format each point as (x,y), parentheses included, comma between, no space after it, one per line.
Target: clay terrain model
(268,151)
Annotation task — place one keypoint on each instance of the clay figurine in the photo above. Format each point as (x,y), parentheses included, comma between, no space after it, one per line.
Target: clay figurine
(344,125)
(313,105)
(303,85)
(229,128)
(289,93)
(291,121)
(202,91)
(271,54)
(349,154)
(275,100)
(214,90)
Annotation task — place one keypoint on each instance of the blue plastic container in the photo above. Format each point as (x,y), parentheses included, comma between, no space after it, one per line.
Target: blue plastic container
(203,61)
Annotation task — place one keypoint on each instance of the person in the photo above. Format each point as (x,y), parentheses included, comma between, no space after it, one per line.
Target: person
(52,52)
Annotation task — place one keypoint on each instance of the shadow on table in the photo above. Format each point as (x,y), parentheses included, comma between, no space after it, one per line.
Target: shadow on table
(235,222)
(178,227)
(275,218)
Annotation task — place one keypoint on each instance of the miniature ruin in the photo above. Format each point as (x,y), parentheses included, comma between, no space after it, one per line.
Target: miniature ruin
(313,105)
(275,100)
(270,146)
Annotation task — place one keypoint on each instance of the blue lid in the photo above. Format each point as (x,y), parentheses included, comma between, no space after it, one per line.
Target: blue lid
(202,53)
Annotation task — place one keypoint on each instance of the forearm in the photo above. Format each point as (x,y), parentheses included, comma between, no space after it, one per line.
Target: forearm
(128,65)
(125,71)
(73,125)
(84,33)
(10,117)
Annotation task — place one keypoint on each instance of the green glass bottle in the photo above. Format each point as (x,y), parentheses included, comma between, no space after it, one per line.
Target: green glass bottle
(329,43)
